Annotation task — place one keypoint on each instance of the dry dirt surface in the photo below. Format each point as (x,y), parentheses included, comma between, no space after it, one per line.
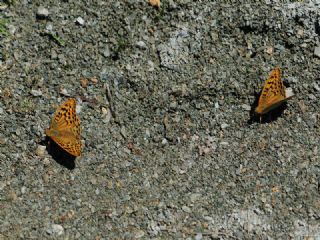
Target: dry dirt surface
(165,98)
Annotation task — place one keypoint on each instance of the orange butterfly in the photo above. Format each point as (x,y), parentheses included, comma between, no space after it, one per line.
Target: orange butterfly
(65,128)
(273,93)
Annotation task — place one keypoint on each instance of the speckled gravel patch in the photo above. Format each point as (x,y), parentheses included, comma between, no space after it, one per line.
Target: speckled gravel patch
(164,97)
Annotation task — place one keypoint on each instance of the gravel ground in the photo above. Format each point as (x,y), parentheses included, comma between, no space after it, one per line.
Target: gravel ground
(180,156)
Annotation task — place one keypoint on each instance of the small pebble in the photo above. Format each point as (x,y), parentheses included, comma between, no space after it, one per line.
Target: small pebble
(12,196)
(93,180)
(23,190)
(317,51)
(299,119)
(224,125)
(78,203)
(42,12)
(40,150)
(195,197)
(141,45)
(54,54)
(36,93)
(62,59)
(55,229)
(138,234)
(246,107)
(164,141)
(104,111)
(46,161)
(269,50)
(107,115)
(80,21)
(45,178)
(64,92)
(304,45)
(84,82)
(289,92)
(186,209)
(198,236)
(151,64)
(312,97)
(2,185)
(316,87)
(300,32)
(123,131)
(49,27)
(173,105)
(147,134)
(78,107)
(106,52)
(12,29)
(94,80)
(3,7)
(72,177)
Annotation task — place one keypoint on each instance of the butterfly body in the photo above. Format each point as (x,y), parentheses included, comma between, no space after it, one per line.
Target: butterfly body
(273,93)
(65,128)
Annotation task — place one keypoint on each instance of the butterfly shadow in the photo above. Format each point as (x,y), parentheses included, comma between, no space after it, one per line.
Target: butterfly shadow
(59,155)
(269,117)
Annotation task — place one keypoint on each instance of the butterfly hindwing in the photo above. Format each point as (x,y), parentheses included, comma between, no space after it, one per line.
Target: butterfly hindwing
(273,93)
(72,146)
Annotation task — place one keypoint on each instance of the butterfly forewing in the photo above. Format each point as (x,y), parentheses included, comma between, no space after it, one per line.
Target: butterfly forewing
(65,128)
(66,114)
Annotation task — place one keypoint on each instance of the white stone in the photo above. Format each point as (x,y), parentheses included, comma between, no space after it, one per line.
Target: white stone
(246,107)
(40,150)
(36,93)
(164,141)
(55,229)
(289,93)
(42,12)
(80,20)
(23,190)
(317,51)
(141,45)
(224,125)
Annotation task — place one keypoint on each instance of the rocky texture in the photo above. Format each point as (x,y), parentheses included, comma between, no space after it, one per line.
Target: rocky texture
(171,151)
